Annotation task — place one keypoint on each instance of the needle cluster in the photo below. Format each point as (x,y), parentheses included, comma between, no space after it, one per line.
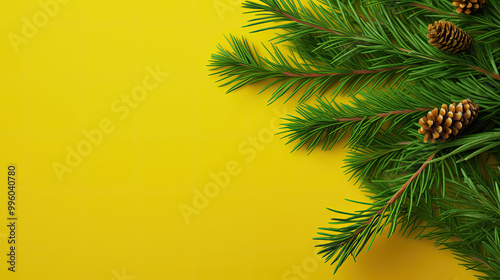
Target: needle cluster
(377,52)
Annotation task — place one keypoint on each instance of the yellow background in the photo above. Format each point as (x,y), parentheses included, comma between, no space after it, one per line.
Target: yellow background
(117,215)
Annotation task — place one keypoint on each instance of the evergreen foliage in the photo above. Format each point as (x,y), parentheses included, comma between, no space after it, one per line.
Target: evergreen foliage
(377,52)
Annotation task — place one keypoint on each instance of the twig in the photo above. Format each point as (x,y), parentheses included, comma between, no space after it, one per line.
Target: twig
(383,115)
(403,188)
(493,75)
(354,72)
(290,17)
(392,200)
(432,10)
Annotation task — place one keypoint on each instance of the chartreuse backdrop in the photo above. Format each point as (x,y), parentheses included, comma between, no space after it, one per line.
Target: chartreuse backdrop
(132,164)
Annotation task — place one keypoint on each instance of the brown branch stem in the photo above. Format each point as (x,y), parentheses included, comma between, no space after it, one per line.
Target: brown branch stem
(292,18)
(425,7)
(483,262)
(392,200)
(404,50)
(493,75)
(383,115)
(390,150)
(354,72)
(403,188)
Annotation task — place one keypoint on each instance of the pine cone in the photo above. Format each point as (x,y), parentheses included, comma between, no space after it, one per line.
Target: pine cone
(448,121)
(446,36)
(468,6)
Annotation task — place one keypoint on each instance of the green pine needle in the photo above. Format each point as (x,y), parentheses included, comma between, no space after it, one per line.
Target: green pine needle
(377,52)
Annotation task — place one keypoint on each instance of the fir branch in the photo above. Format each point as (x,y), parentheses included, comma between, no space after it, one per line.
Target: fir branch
(486,26)
(362,226)
(383,115)
(352,72)
(381,158)
(403,188)
(467,221)
(430,9)
(292,18)
(335,45)
(474,145)
(316,19)
(327,122)
(483,91)
(493,75)
(384,48)
(243,66)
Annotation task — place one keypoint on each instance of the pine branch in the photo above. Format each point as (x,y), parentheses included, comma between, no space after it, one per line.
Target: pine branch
(243,66)
(431,9)
(395,25)
(382,115)
(467,221)
(328,122)
(353,72)
(486,26)
(317,18)
(403,188)
(387,158)
(335,46)
(379,160)
(477,203)
(362,226)
(340,53)
(474,145)
(493,75)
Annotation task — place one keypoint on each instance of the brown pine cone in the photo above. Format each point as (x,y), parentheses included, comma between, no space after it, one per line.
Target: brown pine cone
(468,6)
(446,36)
(448,121)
